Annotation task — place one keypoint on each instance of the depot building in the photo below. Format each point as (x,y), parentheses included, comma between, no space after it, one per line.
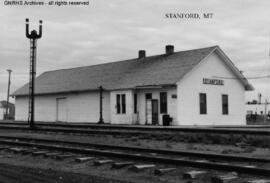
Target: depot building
(188,87)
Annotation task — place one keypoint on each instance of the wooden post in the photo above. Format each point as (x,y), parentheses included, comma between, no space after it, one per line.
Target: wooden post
(100,105)
(7,107)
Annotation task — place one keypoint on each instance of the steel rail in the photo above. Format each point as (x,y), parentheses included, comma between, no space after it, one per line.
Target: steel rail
(77,130)
(139,129)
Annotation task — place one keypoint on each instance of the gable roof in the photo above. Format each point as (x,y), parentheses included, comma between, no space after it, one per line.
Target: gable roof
(149,71)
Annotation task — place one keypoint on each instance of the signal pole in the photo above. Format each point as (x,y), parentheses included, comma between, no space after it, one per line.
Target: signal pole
(7,107)
(33,36)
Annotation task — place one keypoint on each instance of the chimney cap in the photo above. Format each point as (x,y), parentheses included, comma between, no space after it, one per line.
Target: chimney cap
(169,49)
(141,53)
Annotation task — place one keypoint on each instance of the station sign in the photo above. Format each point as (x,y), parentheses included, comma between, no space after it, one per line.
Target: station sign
(208,81)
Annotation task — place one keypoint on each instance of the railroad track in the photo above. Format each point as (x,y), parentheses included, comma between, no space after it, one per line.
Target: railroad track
(212,156)
(125,129)
(247,165)
(77,130)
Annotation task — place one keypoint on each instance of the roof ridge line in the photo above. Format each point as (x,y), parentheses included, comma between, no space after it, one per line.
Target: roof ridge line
(113,62)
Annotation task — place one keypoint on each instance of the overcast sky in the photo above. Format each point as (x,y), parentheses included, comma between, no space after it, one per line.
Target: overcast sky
(111,30)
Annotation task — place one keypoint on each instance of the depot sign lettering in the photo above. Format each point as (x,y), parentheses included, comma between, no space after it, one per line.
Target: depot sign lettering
(213,81)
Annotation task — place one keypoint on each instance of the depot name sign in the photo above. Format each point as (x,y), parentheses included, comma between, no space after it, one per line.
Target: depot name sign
(213,81)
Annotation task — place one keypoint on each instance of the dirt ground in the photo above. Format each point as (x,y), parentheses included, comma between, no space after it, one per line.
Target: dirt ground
(20,174)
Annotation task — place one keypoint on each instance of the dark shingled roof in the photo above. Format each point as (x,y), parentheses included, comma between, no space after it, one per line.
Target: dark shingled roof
(149,71)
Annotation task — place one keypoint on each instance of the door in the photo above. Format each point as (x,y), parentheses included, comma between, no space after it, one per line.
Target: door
(148,112)
(61,109)
(154,112)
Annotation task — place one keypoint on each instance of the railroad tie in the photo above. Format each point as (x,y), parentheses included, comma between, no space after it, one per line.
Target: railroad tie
(250,166)
(180,159)
(138,168)
(258,181)
(163,171)
(51,154)
(16,149)
(103,162)
(119,165)
(193,174)
(37,153)
(224,178)
(63,156)
(223,163)
(201,161)
(27,151)
(89,149)
(84,159)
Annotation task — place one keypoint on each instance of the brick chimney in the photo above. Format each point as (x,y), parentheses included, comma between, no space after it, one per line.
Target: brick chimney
(169,49)
(142,53)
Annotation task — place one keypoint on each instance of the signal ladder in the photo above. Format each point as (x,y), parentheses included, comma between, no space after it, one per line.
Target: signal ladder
(32,73)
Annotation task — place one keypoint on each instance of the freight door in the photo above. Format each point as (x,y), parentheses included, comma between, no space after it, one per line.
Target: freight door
(61,109)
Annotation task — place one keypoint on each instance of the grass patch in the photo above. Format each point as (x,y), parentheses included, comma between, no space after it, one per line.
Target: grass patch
(208,138)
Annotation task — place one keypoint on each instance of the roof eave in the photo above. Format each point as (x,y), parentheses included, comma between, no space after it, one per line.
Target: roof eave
(110,89)
(242,78)
(249,87)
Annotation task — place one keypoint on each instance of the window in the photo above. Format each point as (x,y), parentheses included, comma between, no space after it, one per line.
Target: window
(121,104)
(118,104)
(148,96)
(163,102)
(135,104)
(203,104)
(225,105)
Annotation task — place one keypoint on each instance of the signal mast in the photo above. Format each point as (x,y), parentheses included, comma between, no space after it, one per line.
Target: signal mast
(33,36)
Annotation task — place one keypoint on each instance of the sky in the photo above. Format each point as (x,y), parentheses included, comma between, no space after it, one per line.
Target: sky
(112,30)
